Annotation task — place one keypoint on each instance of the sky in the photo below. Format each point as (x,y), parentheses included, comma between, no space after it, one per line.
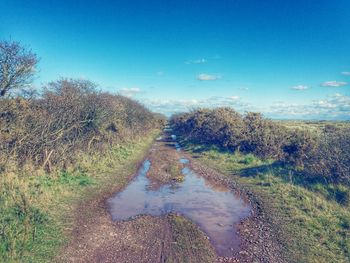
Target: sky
(288,59)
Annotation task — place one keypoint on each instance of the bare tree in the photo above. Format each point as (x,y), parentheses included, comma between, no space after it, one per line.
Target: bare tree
(17,66)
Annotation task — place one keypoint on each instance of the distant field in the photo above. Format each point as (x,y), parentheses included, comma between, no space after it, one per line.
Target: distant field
(313,125)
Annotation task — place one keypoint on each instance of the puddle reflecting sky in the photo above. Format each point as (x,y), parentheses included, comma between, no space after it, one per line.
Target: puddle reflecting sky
(214,209)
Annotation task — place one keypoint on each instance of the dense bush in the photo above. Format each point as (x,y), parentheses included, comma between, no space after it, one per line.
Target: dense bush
(262,137)
(69,116)
(222,126)
(332,156)
(300,147)
(228,129)
(325,153)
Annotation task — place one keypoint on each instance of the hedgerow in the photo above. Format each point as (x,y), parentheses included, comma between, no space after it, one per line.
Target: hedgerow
(323,154)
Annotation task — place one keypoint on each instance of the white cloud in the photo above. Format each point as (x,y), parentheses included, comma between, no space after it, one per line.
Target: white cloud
(332,107)
(234,98)
(169,107)
(196,61)
(346,73)
(243,88)
(335,107)
(300,87)
(129,92)
(207,77)
(334,83)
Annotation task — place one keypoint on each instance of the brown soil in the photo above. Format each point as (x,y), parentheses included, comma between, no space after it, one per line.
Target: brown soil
(171,238)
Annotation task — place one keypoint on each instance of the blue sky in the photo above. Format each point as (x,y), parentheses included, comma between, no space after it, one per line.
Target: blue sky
(288,59)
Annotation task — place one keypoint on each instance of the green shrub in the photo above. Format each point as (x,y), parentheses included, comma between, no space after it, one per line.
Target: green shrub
(69,116)
(263,137)
(249,159)
(324,154)
(300,147)
(332,156)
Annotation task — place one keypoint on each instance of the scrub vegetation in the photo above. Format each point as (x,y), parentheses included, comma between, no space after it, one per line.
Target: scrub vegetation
(301,174)
(58,145)
(320,155)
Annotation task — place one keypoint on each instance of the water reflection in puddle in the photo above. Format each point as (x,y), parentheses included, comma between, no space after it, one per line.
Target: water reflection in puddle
(214,209)
(177,147)
(184,161)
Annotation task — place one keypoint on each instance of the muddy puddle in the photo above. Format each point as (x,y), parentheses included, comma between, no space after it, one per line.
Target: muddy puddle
(214,208)
(183,161)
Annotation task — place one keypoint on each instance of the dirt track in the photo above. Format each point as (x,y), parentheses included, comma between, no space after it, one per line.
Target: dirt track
(170,238)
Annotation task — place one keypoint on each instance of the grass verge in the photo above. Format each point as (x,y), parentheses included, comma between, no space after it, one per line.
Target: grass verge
(190,245)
